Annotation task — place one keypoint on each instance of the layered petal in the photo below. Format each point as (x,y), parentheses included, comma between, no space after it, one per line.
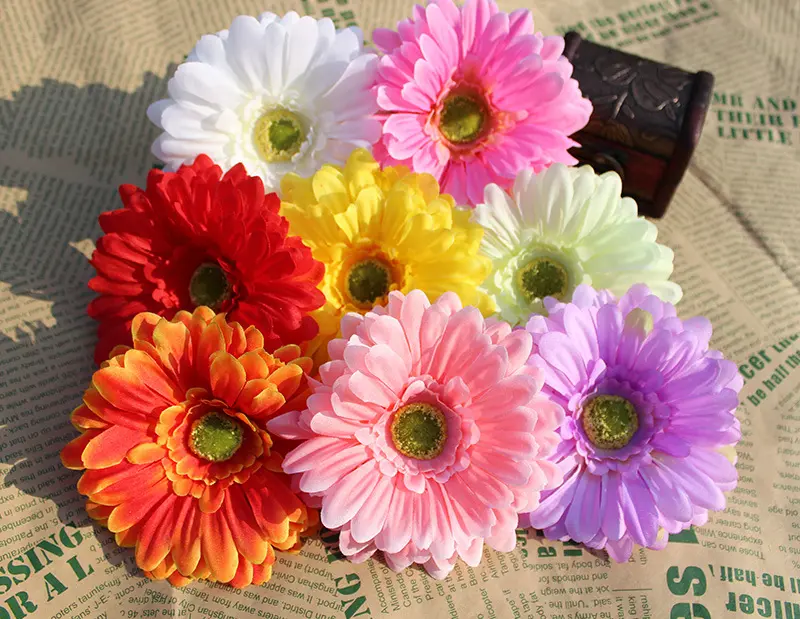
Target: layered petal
(558,228)
(473,95)
(650,417)
(413,444)
(278,94)
(177,459)
(197,237)
(377,231)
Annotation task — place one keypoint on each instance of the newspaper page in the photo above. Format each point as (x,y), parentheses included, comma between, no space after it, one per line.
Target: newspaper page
(76,80)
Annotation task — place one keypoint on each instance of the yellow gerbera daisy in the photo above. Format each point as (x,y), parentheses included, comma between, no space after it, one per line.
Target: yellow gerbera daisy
(382,230)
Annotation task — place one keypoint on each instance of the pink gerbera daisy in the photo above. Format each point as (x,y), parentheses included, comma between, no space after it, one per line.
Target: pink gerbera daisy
(473,95)
(650,428)
(426,435)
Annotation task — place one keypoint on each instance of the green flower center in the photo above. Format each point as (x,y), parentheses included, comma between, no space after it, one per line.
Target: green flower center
(368,281)
(419,431)
(215,437)
(609,421)
(209,286)
(463,118)
(543,277)
(278,135)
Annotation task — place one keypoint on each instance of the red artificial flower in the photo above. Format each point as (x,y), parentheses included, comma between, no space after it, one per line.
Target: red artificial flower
(195,237)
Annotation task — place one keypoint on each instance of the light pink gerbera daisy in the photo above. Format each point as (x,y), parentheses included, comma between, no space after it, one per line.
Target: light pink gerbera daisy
(473,95)
(426,435)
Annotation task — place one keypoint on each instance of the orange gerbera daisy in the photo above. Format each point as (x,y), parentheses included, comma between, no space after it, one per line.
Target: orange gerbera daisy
(178,460)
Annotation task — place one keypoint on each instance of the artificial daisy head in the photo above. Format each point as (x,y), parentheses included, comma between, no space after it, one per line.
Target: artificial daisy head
(382,230)
(647,442)
(278,94)
(197,238)
(426,434)
(564,227)
(472,95)
(178,462)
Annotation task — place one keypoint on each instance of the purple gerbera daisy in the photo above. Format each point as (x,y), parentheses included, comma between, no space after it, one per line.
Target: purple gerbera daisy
(648,438)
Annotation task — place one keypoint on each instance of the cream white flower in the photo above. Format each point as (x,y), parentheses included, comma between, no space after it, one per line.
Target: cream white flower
(278,94)
(564,227)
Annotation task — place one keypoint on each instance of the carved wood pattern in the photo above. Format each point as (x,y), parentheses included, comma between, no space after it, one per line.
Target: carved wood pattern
(637,102)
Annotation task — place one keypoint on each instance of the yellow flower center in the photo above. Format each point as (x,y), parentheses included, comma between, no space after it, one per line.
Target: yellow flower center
(215,437)
(278,135)
(367,281)
(463,118)
(209,286)
(609,421)
(419,431)
(639,320)
(543,277)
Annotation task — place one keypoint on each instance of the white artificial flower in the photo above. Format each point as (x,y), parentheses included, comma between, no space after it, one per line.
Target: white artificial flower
(564,227)
(278,94)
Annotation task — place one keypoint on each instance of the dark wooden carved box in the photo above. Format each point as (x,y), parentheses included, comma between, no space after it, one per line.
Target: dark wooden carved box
(646,122)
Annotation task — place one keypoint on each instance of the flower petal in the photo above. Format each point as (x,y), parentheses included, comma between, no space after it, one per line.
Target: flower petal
(227,377)
(186,550)
(131,512)
(245,530)
(347,496)
(218,547)
(155,537)
(110,446)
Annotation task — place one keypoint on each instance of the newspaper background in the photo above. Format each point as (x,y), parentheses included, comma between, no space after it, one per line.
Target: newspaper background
(76,79)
